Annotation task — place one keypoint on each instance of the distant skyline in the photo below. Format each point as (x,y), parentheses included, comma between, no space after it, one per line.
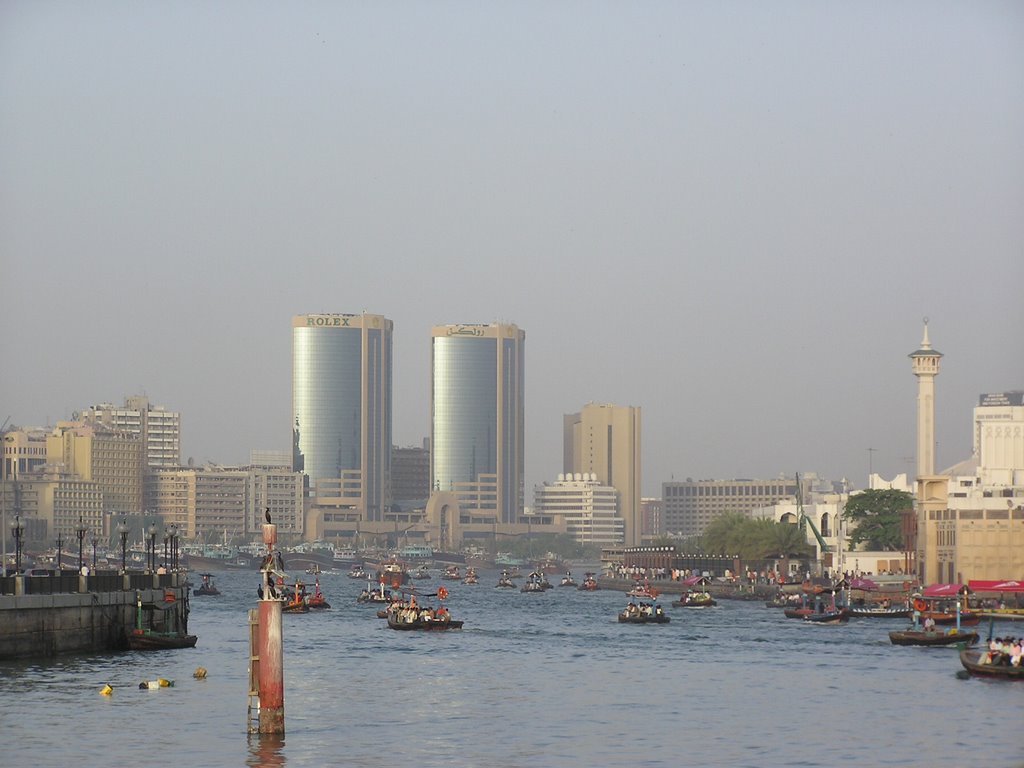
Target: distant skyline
(734,216)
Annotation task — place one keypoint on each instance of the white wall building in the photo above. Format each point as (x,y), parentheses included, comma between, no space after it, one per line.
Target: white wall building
(588,507)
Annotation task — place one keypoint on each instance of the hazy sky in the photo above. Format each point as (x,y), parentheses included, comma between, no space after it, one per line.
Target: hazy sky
(732,214)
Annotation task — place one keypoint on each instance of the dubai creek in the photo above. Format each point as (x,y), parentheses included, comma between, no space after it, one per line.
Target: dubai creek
(531,681)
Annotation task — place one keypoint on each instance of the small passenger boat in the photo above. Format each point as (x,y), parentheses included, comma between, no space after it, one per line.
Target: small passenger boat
(643,614)
(452,573)
(207,587)
(917,636)
(979,664)
(357,572)
(505,580)
(589,584)
(471,577)
(837,616)
(643,591)
(567,580)
(413,618)
(695,600)
(375,595)
(534,584)
(317,601)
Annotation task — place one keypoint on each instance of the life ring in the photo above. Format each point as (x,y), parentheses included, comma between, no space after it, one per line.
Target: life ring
(442,593)
(920,605)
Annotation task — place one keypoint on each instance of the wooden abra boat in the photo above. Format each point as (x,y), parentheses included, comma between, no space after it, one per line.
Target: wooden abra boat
(421,619)
(838,616)
(876,612)
(157,627)
(589,584)
(932,637)
(975,664)
(643,614)
(207,587)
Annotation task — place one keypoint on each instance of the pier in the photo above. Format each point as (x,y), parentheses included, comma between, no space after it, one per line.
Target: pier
(70,612)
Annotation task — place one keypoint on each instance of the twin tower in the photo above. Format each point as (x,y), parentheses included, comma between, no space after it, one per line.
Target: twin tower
(341,405)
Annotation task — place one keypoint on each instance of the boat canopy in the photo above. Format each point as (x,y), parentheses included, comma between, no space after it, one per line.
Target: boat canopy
(996,586)
(944,590)
(862,583)
(693,581)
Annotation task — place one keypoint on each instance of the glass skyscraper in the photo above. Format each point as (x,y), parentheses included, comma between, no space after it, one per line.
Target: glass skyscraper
(476,433)
(341,404)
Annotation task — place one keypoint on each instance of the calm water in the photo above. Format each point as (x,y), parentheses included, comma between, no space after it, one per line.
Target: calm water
(532,680)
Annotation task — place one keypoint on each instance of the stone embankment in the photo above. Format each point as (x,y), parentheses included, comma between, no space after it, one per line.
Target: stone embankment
(73,613)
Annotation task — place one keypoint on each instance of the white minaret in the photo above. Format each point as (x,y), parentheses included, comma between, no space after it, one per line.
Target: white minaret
(926,367)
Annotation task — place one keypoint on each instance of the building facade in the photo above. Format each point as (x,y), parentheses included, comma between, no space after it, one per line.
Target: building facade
(689,506)
(971,518)
(604,440)
(588,508)
(114,460)
(477,418)
(410,476)
(158,428)
(341,403)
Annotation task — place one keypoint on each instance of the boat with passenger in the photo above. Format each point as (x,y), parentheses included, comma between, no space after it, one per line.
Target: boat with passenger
(422,619)
(357,572)
(421,573)
(986,664)
(372,594)
(534,584)
(452,573)
(697,594)
(945,604)
(505,580)
(925,631)
(471,577)
(642,591)
(1003,600)
(589,583)
(207,587)
(643,613)
(568,580)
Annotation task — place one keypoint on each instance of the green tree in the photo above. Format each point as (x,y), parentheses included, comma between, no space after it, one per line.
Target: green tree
(877,516)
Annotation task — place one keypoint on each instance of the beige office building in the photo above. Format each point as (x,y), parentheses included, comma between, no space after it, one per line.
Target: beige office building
(159,429)
(604,440)
(971,517)
(114,460)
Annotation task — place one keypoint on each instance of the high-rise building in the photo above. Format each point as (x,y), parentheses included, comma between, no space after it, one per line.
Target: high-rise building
(159,428)
(477,418)
(341,403)
(604,440)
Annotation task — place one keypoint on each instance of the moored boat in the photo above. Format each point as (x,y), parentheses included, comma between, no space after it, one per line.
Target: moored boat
(837,616)
(878,612)
(159,626)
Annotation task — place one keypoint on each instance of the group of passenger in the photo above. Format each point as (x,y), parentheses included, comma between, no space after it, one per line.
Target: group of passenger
(408,612)
(643,609)
(1003,651)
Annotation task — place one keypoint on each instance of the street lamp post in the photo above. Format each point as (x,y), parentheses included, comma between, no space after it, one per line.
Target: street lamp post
(60,543)
(122,529)
(152,546)
(94,541)
(173,530)
(167,541)
(80,533)
(17,530)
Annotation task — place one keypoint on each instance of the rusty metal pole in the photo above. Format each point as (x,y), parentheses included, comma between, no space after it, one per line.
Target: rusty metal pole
(270,645)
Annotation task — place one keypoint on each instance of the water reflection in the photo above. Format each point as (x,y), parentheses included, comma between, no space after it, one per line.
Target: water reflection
(266,750)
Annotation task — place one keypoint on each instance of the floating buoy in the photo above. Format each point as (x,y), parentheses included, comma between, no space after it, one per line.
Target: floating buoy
(106,690)
(158,683)
(200,673)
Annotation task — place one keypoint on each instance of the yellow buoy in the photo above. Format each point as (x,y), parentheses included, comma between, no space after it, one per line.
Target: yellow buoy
(200,673)
(166,683)
(106,690)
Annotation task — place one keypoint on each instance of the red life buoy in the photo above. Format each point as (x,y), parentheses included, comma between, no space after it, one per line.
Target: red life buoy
(442,593)
(920,605)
